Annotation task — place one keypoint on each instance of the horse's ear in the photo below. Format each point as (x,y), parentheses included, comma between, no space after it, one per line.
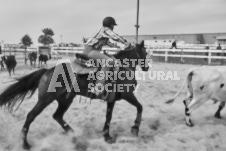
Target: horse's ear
(142,43)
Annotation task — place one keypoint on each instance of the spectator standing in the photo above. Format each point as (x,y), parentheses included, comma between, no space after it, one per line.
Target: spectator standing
(174,45)
(207,53)
(219,47)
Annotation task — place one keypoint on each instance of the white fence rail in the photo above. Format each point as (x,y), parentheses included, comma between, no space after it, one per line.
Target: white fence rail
(72,50)
(198,52)
(208,54)
(166,53)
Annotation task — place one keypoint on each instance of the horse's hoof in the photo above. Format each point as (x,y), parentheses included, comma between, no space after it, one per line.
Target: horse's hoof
(135,130)
(218,116)
(68,132)
(109,139)
(27,146)
(190,124)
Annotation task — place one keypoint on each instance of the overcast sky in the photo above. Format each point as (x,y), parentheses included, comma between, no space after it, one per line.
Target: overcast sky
(75,19)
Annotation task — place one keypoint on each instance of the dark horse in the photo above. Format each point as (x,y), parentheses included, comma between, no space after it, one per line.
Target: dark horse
(1,62)
(10,63)
(43,58)
(32,57)
(41,79)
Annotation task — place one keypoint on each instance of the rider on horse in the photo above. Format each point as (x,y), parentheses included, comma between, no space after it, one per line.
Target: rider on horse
(94,45)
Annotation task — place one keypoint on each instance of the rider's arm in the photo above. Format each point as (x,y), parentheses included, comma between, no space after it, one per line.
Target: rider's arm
(115,36)
(111,44)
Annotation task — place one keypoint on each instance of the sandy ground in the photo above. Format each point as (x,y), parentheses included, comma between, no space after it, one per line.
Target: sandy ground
(162,129)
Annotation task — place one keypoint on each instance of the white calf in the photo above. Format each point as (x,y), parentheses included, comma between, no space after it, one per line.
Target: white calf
(203,84)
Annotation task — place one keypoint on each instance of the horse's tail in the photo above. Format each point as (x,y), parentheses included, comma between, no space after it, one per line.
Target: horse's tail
(16,92)
(187,82)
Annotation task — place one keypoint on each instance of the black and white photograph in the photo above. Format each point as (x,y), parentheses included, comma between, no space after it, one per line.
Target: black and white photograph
(112,75)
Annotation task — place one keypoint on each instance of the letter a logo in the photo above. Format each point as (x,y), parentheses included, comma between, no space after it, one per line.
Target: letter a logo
(65,70)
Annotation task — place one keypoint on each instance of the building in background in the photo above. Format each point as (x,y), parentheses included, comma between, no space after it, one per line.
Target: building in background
(199,38)
(221,40)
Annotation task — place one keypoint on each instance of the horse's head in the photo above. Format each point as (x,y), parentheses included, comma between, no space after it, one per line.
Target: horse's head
(142,55)
(138,53)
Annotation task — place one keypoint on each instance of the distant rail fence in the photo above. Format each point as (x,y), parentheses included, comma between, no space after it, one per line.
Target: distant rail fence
(195,54)
(189,56)
(70,52)
(19,53)
(56,52)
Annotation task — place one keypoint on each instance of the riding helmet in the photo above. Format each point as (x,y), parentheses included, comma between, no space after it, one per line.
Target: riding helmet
(109,21)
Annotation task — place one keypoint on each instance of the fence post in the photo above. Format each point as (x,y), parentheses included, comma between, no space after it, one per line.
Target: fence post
(209,57)
(182,56)
(25,55)
(166,55)
(222,56)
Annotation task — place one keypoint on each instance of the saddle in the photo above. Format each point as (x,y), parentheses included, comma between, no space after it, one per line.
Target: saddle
(81,64)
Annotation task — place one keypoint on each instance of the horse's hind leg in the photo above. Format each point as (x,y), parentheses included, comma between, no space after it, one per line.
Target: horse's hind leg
(133,100)
(63,105)
(1,65)
(14,70)
(38,108)
(218,114)
(107,137)
(9,70)
(39,64)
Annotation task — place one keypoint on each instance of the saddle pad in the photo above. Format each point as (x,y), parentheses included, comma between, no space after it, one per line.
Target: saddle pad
(76,67)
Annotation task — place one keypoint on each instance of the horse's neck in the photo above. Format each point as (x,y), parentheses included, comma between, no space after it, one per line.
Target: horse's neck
(128,54)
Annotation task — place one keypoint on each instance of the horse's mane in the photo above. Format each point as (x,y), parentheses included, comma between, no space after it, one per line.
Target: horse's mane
(124,52)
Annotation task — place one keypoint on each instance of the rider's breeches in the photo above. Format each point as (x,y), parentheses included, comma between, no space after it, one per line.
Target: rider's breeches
(104,61)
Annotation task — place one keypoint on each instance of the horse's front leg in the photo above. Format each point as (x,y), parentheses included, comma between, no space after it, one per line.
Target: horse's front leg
(2,66)
(107,137)
(45,64)
(31,64)
(133,100)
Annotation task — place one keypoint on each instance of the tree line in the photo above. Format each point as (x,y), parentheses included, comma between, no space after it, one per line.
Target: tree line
(46,38)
